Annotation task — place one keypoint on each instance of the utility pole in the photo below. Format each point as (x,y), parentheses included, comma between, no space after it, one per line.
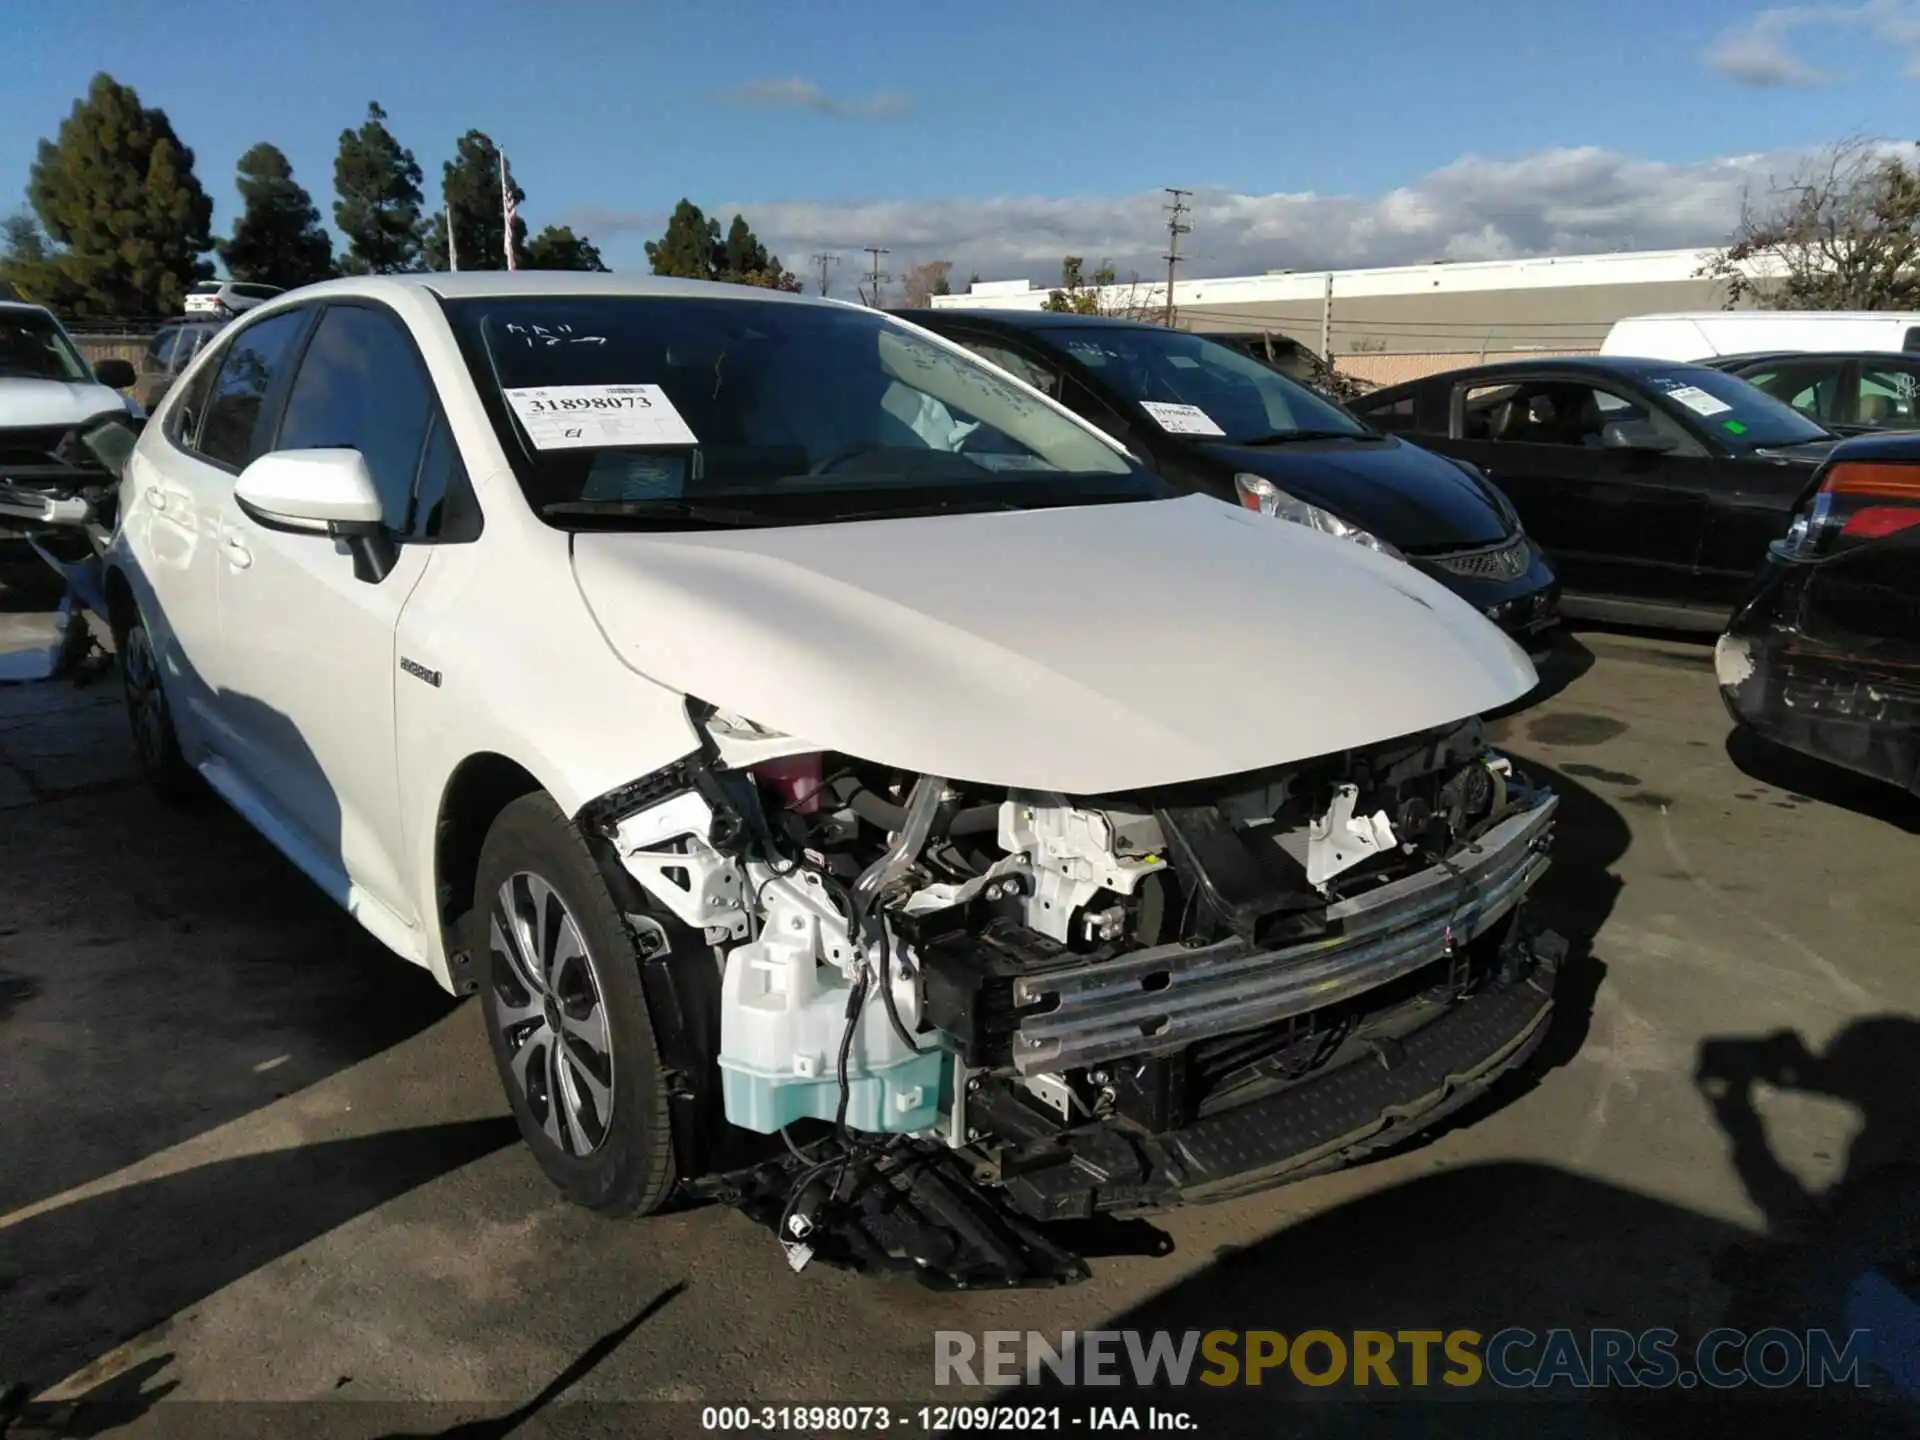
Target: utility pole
(1175,229)
(873,295)
(823,261)
(1326,321)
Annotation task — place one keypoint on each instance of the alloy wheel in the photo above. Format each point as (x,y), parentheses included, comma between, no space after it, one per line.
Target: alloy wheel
(146,704)
(550,1010)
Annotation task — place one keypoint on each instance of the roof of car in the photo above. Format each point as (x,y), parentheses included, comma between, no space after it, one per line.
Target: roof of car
(500,284)
(1721,362)
(24,307)
(1027,319)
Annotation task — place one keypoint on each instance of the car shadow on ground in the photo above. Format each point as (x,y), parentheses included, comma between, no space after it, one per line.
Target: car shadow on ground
(84,1277)
(1573,899)
(1803,778)
(1492,1246)
(164,971)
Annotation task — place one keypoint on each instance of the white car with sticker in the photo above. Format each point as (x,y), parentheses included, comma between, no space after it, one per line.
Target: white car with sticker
(817,747)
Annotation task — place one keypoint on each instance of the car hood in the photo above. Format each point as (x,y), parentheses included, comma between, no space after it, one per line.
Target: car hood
(53,402)
(1081,650)
(1412,497)
(1807,452)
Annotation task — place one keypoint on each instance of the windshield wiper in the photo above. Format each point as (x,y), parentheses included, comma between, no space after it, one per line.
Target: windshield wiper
(696,511)
(1284,437)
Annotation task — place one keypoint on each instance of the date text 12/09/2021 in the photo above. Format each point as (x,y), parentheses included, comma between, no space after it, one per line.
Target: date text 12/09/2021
(943,1419)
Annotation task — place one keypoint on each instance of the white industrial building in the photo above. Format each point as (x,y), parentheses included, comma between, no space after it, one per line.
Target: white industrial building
(1395,322)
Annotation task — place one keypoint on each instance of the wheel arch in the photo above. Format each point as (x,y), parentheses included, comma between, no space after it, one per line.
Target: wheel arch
(480,787)
(122,608)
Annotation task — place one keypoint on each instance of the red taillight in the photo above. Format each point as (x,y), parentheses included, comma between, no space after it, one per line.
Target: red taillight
(1878,521)
(1870,499)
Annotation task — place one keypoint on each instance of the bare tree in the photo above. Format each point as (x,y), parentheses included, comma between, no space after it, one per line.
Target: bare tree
(1101,294)
(922,282)
(1843,233)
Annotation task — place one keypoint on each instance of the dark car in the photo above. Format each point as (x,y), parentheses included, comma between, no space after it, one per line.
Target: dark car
(1823,656)
(173,346)
(1653,486)
(1850,393)
(1212,419)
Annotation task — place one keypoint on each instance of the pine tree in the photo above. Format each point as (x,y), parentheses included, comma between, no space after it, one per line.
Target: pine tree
(376,182)
(692,248)
(278,239)
(558,248)
(117,196)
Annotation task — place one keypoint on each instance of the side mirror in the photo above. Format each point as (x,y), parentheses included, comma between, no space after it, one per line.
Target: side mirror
(1639,435)
(320,492)
(115,374)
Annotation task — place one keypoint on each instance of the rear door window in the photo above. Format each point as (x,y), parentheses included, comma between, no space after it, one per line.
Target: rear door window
(233,432)
(1887,396)
(1813,390)
(160,349)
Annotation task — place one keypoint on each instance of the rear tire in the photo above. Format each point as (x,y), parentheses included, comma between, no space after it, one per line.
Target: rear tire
(155,742)
(566,1016)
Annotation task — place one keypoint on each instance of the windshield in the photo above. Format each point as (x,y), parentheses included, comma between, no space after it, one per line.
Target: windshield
(1170,374)
(648,406)
(32,347)
(1739,416)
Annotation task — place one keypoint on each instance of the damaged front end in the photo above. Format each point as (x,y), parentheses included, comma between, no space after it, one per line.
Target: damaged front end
(958,1011)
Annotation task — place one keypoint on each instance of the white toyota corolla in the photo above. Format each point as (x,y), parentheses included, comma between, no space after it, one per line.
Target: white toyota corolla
(855,787)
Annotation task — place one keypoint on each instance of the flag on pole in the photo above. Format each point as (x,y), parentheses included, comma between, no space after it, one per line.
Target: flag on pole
(453,250)
(506,207)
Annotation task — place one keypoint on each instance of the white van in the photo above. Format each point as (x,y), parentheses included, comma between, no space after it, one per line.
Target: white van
(1710,333)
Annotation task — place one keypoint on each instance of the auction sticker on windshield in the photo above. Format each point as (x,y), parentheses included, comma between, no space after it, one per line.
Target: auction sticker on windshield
(1698,400)
(1181,419)
(578,417)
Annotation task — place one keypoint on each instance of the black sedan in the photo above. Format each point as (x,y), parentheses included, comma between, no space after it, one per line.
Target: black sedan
(1215,420)
(1653,486)
(1824,655)
(1850,393)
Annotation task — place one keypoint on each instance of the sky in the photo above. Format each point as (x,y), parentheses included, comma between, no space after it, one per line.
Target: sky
(1004,135)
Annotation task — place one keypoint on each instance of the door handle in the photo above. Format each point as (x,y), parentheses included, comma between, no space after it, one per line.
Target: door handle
(238,555)
(157,498)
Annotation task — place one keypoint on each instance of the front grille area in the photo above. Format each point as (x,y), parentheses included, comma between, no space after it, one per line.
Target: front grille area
(1498,562)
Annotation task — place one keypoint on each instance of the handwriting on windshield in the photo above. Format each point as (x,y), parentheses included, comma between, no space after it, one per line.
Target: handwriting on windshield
(544,336)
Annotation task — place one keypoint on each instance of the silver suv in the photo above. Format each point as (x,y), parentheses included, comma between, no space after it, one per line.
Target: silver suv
(226,297)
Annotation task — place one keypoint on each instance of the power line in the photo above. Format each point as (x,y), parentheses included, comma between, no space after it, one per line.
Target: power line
(823,261)
(1175,229)
(876,251)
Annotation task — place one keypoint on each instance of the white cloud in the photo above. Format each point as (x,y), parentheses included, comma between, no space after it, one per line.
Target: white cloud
(793,93)
(1758,51)
(1552,202)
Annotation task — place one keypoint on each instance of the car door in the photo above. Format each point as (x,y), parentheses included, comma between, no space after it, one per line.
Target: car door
(311,647)
(179,490)
(1614,522)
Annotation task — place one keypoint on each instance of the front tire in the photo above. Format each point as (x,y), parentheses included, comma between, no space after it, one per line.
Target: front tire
(156,744)
(566,1016)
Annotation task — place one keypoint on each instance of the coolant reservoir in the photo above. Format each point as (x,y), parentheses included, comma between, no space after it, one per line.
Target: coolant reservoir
(784,1011)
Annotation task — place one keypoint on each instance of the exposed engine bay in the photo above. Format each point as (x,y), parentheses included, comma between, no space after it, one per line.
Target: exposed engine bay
(964,1010)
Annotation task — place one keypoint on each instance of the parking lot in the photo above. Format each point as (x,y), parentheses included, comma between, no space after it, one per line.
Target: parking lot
(250,1157)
